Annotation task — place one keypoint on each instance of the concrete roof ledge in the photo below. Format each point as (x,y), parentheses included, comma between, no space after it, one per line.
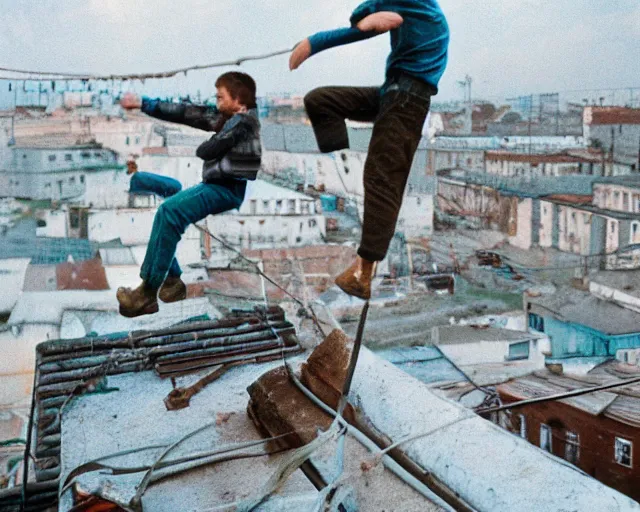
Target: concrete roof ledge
(489,468)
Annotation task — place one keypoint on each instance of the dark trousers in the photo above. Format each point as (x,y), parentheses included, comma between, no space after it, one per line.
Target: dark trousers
(398,110)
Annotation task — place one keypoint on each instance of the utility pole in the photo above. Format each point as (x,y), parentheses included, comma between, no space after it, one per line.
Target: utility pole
(612,158)
(12,140)
(530,121)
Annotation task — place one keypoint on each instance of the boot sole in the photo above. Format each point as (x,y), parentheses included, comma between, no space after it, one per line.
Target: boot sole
(354,293)
(132,313)
(177,298)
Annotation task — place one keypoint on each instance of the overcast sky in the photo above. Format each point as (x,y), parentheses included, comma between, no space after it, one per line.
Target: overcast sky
(508,46)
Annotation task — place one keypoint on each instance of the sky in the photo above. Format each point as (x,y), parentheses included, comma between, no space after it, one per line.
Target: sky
(508,47)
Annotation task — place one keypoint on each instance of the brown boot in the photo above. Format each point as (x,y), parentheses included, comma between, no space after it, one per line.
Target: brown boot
(356,280)
(139,301)
(173,290)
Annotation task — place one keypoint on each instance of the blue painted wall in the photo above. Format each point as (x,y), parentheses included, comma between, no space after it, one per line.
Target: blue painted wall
(575,340)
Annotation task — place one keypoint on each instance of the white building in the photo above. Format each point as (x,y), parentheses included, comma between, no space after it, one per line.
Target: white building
(54,173)
(468,153)
(12,272)
(270,217)
(504,163)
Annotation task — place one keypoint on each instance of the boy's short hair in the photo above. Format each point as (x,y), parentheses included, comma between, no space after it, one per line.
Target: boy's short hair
(241,87)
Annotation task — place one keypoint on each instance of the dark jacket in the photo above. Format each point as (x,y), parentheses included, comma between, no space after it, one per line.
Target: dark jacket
(234,151)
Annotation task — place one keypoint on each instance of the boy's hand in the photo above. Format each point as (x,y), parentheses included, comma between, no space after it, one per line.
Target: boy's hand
(132,167)
(380,22)
(299,54)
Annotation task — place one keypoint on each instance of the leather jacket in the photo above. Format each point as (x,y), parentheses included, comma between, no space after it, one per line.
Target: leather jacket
(235,151)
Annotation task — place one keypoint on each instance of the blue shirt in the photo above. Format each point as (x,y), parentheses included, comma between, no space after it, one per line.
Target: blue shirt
(418,46)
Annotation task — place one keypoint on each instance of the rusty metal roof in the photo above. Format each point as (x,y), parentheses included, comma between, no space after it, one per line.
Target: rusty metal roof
(65,368)
(613,115)
(620,404)
(85,275)
(551,158)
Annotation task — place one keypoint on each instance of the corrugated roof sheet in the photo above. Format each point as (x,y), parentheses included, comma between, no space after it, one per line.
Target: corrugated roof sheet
(66,367)
(550,158)
(621,404)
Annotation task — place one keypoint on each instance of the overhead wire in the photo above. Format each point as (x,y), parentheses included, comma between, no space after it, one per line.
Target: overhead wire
(54,75)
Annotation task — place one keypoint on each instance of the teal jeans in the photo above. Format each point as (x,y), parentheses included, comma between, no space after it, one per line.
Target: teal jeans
(174,216)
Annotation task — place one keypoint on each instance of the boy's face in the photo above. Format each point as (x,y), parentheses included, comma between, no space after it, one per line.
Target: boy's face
(226,103)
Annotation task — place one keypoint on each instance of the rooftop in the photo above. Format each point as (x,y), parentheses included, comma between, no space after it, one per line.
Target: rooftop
(576,307)
(611,115)
(631,180)
(120,382)
(550,158)
(580,185)
(461,334)
(621,404)
(56,141)
(627,281)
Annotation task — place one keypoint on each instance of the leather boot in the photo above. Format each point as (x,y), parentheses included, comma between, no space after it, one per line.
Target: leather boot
(173,290)
(139,301)
(356,280)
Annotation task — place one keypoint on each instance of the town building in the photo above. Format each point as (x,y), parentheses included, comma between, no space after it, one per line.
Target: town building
(584,329)
(505,163)
(468,153)
(598,432)
(617,131)
(51,171)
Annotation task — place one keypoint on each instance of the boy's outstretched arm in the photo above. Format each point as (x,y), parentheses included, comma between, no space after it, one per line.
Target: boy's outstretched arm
(369,26)
(197,116)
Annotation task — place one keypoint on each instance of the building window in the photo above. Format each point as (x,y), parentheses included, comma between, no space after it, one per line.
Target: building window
(572,448)
(518,351)
(254,207)
(624,452)
(625,202)
(52,158)
(545,437)
(635,232)
(68,157)
(279,206)
(265,207)
(523,426)
(616,200)
(82,178)
(127,140)
(312,223)
(86,155)
(74,219)
(292,206)
(97,155)
(137,140)
(536,322)
(72,180)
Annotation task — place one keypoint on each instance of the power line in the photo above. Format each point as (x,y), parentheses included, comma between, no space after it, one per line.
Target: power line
(559,396)
(55,75)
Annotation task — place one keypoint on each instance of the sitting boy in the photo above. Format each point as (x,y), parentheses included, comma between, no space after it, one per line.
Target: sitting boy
(231,157)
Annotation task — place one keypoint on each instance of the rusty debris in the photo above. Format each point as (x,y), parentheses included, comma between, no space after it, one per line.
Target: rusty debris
(179,398)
